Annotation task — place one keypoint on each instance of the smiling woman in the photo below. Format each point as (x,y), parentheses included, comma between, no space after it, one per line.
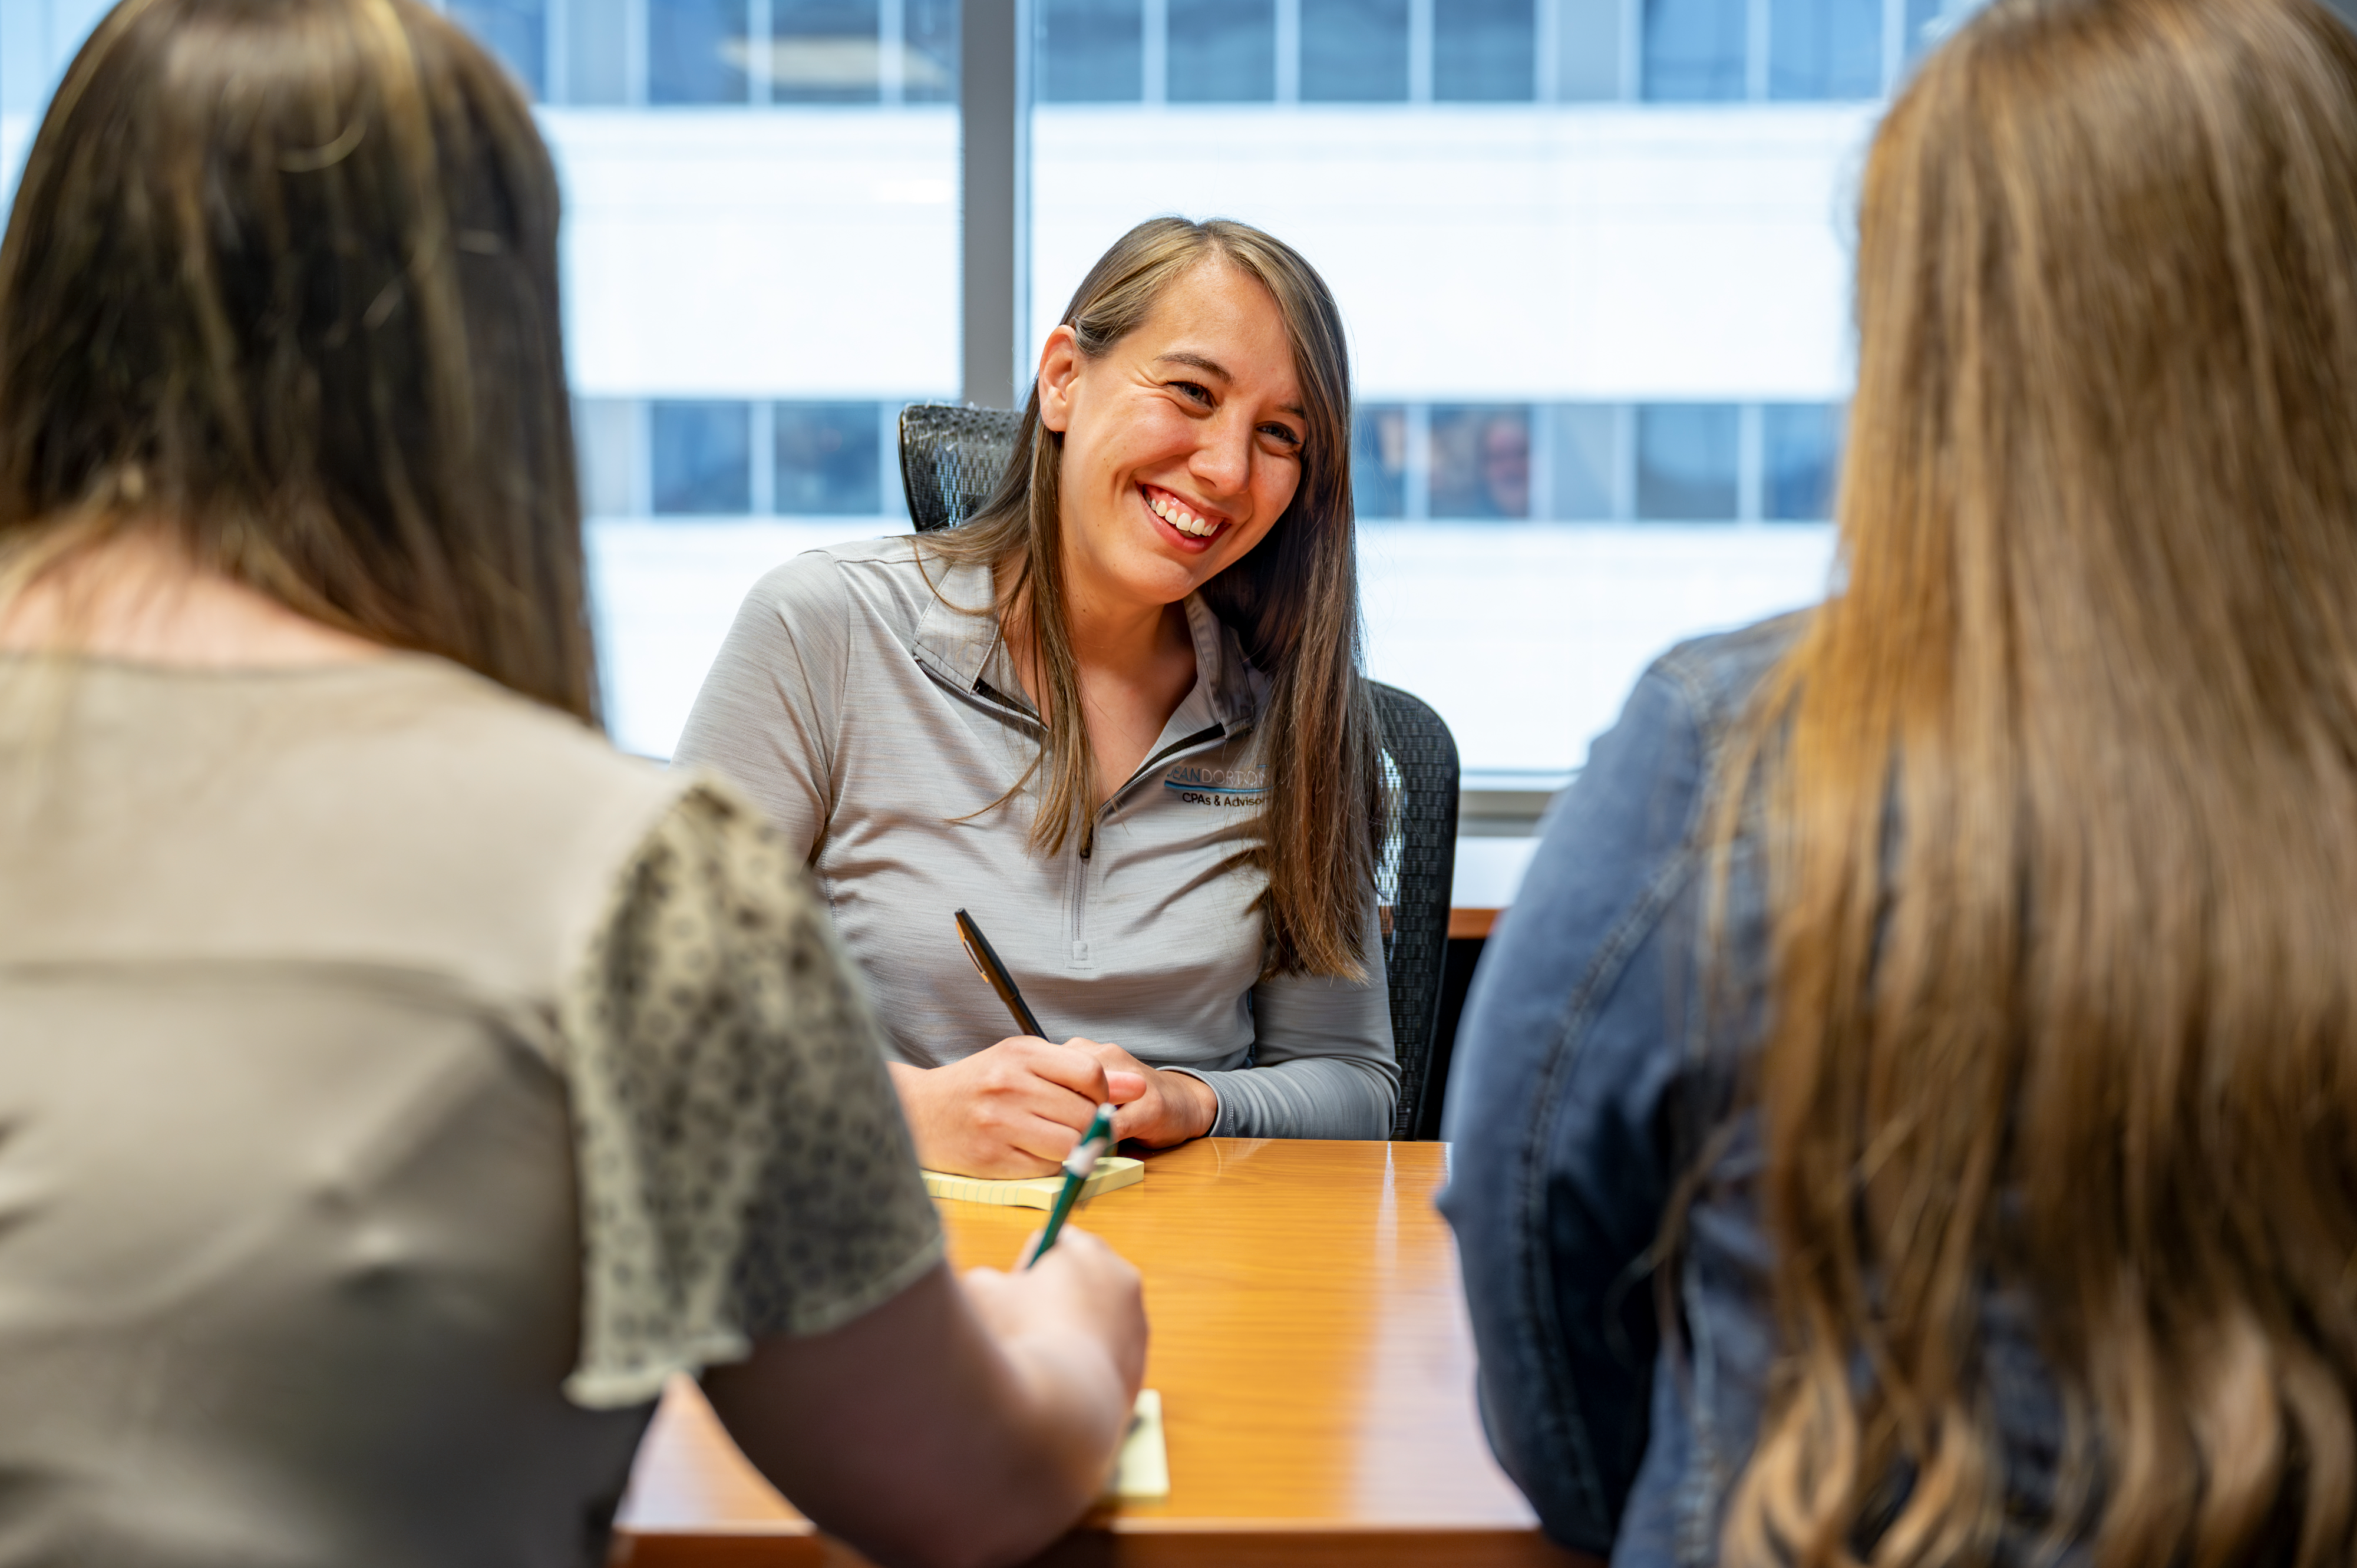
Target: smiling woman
(1120,716)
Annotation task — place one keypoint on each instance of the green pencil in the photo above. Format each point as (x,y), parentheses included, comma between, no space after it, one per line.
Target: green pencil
(1078,1166)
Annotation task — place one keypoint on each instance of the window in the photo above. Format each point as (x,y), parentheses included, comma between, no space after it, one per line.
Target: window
(928,51)
(1802,454)
(698,51)
(703,459)
(1354,51)
(1379,462)
(1483,51)
(1926,19)
(1694,50)
(595,56)
(516,31)
(1591,253)
(1223,51)
(823,51)
(608,436)
(1587,63)
(829,459)
(1686,456)
(1587,463)
(1480,462)
(1092,51)
(1824,48)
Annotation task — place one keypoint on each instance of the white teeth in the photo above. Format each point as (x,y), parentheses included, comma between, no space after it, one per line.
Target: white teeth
(1179,518)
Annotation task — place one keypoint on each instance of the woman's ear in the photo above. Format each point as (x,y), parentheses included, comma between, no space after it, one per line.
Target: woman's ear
(1060,362)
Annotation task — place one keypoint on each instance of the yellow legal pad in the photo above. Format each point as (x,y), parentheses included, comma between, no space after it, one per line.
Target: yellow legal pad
(1036,1192)
(1142,1471)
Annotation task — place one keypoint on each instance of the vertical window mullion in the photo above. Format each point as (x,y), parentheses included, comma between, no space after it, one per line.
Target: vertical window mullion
(1546,46)
(761,51)
(994,42)
(642,462)
(891,501)
(556,49)
(1153,51)
(1542,425)
(1624,463)
(891,59)
(761,452)
(1750,464)
(1288,51)
(1416,472)
(1419,51)
(637,61)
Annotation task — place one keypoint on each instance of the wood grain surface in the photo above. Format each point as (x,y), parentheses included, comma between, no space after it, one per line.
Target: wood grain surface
(1316,1371)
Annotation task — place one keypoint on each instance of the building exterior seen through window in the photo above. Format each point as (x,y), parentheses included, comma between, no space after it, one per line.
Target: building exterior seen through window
(1640,463)
(621,53)
(758,52)
(1592,255)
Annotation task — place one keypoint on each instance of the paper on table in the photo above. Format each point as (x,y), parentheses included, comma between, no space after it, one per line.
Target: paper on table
(1141,1473)
(1036,1192)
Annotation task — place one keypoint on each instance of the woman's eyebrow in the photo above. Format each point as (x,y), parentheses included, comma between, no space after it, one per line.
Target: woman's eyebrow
(1213,367)
(1181,357)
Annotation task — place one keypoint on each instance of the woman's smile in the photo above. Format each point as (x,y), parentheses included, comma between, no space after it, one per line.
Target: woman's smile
(1191,527)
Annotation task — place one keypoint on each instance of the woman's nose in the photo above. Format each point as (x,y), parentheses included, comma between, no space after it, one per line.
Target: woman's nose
(1223,461)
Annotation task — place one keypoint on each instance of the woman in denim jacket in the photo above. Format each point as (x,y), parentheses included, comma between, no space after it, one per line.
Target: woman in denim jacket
(1910,1115)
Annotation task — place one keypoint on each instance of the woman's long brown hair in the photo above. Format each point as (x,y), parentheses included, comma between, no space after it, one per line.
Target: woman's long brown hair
(2061,807)
(1293,601)
(280,282)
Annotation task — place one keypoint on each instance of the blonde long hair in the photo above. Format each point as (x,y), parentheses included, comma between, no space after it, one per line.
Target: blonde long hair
(1293,601)
(2061,811)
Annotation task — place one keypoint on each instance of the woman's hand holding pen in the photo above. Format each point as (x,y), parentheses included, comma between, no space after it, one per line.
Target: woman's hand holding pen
(1015,1109)
(1169,1107)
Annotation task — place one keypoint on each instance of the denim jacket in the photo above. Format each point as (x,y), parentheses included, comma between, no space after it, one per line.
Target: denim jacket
(1588,1080)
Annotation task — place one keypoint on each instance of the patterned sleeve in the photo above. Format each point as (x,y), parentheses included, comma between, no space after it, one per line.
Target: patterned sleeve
(744,1168)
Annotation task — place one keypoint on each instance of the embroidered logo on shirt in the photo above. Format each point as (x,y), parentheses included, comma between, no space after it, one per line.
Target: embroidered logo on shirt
(1200,786)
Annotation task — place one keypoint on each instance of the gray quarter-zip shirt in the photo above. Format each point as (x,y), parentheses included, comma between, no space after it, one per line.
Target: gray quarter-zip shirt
(864,697)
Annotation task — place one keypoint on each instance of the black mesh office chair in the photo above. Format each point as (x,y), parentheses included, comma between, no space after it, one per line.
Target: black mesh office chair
(950,458)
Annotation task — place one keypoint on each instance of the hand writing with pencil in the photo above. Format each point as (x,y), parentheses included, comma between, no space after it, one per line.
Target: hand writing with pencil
(1013,1110)
(1169,1108)
(1016,1107)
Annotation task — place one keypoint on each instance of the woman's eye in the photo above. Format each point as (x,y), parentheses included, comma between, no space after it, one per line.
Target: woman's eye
(1282,432)
(1195,390)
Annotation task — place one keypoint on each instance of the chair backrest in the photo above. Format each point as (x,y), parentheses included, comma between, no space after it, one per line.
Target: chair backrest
(949,460)
(1415,865)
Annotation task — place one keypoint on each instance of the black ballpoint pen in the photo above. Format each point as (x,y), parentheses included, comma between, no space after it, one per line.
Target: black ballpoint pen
(977,947)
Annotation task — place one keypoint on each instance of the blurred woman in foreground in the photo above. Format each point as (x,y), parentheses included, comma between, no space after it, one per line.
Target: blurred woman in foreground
(1951,990)
(397,1086)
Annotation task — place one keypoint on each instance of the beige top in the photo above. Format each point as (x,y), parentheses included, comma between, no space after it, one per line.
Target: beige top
(395,1086)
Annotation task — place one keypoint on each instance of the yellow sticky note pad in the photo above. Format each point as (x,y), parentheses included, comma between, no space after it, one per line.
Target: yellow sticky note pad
(1142,1471)
(1036,1192)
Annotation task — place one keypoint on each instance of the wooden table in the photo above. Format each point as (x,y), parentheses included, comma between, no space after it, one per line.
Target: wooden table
(1315,1365)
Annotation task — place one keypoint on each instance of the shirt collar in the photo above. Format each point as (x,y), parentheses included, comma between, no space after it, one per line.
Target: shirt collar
(961,646)
(958,630)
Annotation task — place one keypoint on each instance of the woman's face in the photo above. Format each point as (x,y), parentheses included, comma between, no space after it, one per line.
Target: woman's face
(1182,444)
